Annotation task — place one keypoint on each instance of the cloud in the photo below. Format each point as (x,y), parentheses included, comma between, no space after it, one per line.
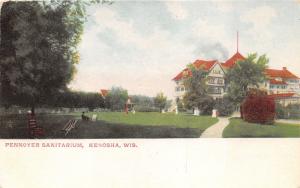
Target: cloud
(115,53)
(211,51)
(223,6)
(259,17)
(204,29)
(177,11)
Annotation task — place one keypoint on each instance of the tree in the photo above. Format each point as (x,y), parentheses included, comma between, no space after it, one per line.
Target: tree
(143,103)
(38,49)
(160,101)
(116,98)
(224,106)
(196,95)
(246,73)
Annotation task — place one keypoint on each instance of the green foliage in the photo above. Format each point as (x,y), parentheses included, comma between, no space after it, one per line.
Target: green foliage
(224,106)
(196,95)
(280,111)
(143,103)
(116,99)
(245,74)
(160,101)
(180,105)
(71,99)
(291,111)
(39,48)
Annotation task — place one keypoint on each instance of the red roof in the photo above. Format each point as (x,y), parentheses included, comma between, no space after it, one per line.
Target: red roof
(104,92)
(277,82)
(202,64)
(231,61)
(281,95)
(205,65)
(284,73)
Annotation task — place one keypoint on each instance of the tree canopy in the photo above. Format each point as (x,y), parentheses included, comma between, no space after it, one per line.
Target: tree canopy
(116,98)
(196,95)
(160,101)
(246,73)
(38,48)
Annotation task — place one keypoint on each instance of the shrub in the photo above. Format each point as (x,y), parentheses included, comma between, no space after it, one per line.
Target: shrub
(207,105)
(280,111)
(140,108)
(224,106)
(258,108)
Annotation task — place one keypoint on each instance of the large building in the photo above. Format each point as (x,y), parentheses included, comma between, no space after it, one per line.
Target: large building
(283,85)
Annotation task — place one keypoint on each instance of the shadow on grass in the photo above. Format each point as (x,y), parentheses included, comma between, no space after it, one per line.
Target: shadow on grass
(15,126)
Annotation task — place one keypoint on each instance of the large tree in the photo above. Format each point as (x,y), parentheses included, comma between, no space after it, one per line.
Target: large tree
(38,49)
(197,95)
(246,73)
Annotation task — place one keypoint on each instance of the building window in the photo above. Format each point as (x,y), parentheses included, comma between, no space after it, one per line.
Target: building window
(211,80)
(216,71)
(220,81)
(214,90)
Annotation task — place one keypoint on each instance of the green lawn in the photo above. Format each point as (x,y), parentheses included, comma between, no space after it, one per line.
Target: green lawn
(110,125)
(157,119)
(239,128)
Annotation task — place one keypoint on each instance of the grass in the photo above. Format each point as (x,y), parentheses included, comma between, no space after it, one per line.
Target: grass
(238,128)
(110,125)
(157,119)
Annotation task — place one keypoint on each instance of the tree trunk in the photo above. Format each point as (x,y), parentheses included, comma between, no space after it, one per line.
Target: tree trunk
(32,109)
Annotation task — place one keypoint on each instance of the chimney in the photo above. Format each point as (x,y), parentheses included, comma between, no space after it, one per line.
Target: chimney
(283,68)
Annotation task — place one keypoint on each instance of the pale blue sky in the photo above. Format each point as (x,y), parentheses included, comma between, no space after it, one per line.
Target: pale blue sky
(141,46)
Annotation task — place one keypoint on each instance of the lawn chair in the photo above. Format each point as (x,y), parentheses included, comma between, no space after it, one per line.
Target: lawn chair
(94,117)
(71,124)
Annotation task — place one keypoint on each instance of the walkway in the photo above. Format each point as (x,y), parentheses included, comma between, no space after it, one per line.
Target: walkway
(216,130)
(288,121)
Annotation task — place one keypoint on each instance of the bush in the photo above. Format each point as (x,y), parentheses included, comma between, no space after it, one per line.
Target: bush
(280,111)
(258,108)
(207,105)
(291,111)
(224,106)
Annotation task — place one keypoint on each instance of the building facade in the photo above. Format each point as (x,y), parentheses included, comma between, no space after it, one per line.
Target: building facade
(282,84)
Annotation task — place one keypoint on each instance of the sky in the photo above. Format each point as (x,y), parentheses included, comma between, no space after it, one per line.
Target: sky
(141,46)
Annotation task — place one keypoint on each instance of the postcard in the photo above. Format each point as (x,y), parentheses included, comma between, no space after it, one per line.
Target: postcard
(104,93)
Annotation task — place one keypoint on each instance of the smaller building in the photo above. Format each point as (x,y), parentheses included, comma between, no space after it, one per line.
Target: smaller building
(281,81)
(286,98)
(104,92)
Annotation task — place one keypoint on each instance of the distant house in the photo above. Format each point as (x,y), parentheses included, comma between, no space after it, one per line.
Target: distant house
(283,85)
(104,92)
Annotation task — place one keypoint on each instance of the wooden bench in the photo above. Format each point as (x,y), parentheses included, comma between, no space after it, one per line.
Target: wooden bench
(71,124)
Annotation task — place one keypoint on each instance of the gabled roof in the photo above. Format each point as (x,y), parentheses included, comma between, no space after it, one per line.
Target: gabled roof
(284,73)
(277,82)
(104,92)
(205,65)
(202,64)
(282,95)
(231,61)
